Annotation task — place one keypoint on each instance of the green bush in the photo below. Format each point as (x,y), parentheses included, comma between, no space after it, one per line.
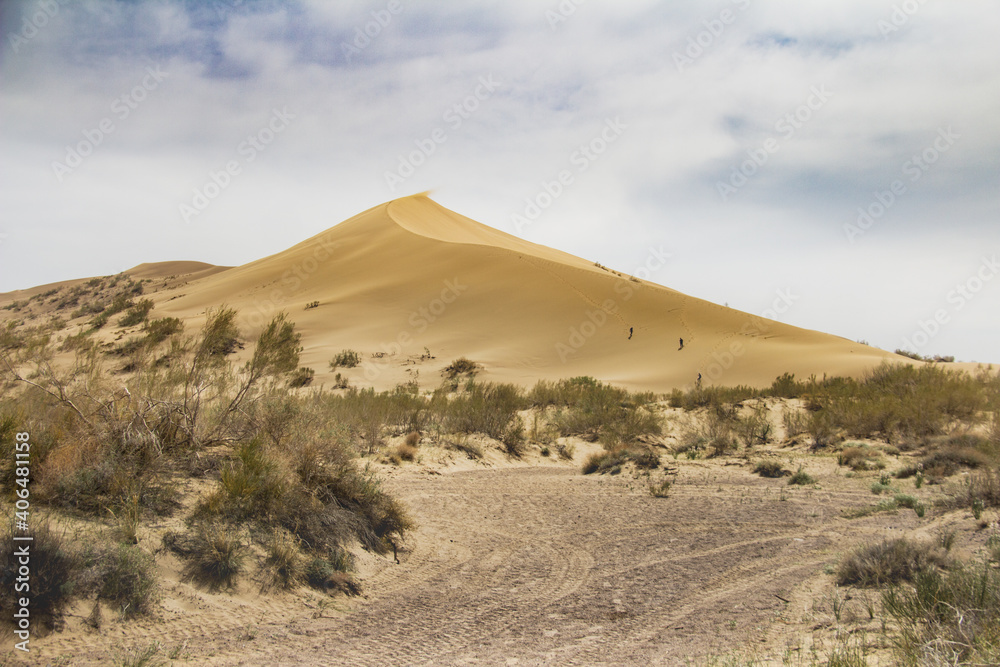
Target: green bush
(887,562)
(345,359)
(302,377)
(459,367)
(283,559)
(801,478)
(159,330)
(860,458)
(951,618)
(137,313)
(55,570)
(216,556)
(769,469)
(128,578)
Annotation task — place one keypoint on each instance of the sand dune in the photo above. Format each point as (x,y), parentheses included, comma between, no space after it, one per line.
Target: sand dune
(410,275)
(186,270)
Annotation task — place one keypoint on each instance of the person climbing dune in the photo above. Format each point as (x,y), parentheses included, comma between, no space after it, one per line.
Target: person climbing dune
(630,333)
(682,344)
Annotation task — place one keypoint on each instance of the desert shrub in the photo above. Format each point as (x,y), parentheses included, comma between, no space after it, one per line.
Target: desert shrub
(711,397)
(661,489)
(628,426)
(460,367)
(332,500)
(127,578)
(137,313)
(795,422)
(345,359)
(55,569)
(283,560)
(605,462)
(159,330)
(950,618)
(897,400)
(887,562)
(676,399)
(118,304)
(906,500)
(301,378)
(219,335)
(330,572)
(251,487)
(485,408)
(596,411)
(785,386)
(406,452)
(860,458)
(95,472)
(512,437)
(947,461)
(755,427)
(983,487)
(413,438)
(464,445)
(769,468)
(611,462)
(801,478)
(879,488)
(565,451)
(216,555)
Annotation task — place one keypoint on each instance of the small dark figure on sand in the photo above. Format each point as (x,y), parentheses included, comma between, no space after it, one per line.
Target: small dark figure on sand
(682,344)
(630,333)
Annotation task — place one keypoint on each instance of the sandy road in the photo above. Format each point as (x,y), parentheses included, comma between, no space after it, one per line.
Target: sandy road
(545,566)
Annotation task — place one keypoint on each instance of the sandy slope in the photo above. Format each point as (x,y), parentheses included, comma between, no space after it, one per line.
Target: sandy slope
(410,274)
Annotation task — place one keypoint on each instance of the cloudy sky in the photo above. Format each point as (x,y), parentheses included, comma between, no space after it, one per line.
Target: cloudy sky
(834,164)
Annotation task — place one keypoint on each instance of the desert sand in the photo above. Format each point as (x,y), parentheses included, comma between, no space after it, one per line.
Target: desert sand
(410,278)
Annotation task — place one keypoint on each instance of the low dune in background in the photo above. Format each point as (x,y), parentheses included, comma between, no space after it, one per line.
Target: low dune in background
(410,277)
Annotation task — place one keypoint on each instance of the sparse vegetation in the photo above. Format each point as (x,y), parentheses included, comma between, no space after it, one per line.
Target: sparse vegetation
(769,468)
(137,313)
(345,359)
(461,367)
(301,378)
(801,478)
(887,562)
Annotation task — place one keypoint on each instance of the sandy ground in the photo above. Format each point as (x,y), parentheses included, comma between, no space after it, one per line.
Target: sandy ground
(539,565)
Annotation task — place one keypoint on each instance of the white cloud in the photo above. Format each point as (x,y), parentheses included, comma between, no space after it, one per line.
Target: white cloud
(230,69)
